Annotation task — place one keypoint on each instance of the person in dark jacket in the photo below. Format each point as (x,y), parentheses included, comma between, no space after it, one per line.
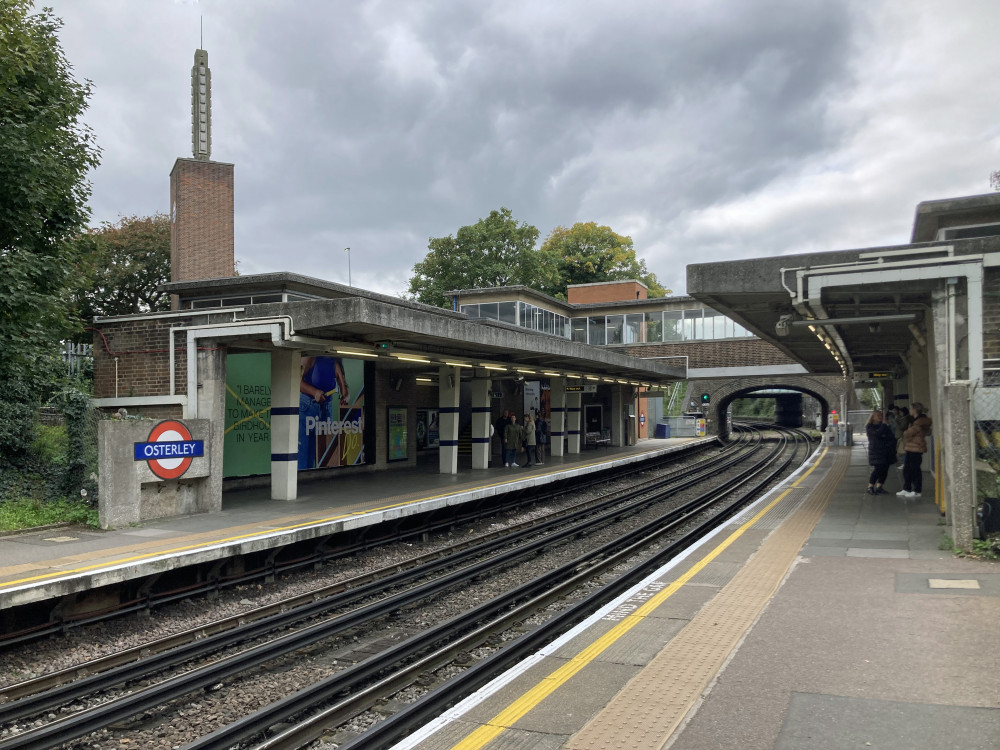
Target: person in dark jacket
(513,437)
(914,447)
(499,429)
(881,452)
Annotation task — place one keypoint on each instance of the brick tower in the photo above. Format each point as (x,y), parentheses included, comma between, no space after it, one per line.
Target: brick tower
(201,195)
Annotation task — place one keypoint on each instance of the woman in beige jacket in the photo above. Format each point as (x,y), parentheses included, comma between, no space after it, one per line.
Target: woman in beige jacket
(914,447)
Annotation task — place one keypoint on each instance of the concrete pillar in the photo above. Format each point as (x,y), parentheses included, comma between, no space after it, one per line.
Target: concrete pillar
(617,416)
(959,450)
(573,418)
(211,405)
(286,374)
(557,421)
(481,423)
(449,388)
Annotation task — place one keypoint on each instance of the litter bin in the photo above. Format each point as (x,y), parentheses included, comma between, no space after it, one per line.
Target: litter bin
(662,429)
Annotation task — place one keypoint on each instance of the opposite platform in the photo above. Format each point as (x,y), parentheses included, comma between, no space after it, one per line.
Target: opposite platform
(43,565)
(822,617)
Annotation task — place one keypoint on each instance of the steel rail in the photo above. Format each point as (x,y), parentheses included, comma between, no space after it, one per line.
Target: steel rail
(173,650)
(90,720)
(275,568)
(392,729)
(547,586)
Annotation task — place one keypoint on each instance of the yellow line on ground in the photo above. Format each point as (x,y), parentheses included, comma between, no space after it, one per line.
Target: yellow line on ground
(496,726)
(293,527)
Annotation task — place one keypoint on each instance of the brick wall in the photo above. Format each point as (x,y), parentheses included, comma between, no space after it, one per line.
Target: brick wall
(141,348)
(201,207)
(720,353)
(613,291)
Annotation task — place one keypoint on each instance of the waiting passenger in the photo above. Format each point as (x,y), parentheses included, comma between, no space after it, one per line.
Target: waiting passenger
(512,440)
(881,452)
(530,439)
(915,446)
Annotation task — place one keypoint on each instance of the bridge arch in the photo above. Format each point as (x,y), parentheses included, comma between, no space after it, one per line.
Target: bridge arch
(827,391)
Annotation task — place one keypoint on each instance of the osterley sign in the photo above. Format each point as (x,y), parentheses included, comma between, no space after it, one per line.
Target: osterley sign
(169,450)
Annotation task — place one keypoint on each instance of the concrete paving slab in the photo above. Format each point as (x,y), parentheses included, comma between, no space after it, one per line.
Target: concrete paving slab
(988,584)
(811,550)
(876,552)
(832,722)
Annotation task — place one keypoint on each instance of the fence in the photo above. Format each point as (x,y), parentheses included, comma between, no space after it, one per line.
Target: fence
(78,357)
(986,423)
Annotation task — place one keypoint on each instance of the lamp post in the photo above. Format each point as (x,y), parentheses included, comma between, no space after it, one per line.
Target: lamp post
(348,251)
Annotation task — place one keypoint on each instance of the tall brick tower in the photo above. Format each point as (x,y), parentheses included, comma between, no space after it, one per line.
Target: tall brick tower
(201,195)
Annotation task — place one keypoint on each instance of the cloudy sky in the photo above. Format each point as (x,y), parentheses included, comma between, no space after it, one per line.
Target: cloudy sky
(708,130)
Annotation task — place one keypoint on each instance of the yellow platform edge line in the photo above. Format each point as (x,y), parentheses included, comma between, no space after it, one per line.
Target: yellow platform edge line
(531,698)
(279,529)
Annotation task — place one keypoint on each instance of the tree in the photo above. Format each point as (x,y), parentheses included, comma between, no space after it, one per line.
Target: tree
(121,267)
(45,153)
(587,253)
(494,251)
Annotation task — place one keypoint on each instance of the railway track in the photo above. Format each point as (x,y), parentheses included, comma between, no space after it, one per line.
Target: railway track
(400,665)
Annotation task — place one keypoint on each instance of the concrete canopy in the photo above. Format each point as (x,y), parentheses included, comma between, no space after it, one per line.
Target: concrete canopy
(328,314)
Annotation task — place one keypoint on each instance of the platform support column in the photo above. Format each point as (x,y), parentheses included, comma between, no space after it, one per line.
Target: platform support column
(481,423)
(449,389)
(573,416)
(286,374)
(557,419)
(958,486)
(617,416)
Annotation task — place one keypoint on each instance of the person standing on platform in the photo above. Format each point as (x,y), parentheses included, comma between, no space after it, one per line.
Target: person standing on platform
(915,446)
(901,420)
(512,439)
(881,452)
(541,438)
(499,429)
(530,439)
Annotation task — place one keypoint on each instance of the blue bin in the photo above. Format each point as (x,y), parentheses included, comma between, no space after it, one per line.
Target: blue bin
(662,430)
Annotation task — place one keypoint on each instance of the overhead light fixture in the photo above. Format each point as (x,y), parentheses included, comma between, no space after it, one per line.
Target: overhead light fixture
(812,328)
(411,358)
(458,364)
(552,374)
(424,380)
(572,376)
(494,367)
(591,377)
(526,372)
(354,353)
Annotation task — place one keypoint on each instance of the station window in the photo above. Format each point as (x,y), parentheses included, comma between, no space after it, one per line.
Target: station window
(596,334)
(507,312)
(616,326)
(635,325)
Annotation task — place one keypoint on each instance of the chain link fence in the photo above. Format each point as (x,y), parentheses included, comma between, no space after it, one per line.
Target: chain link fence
(986,423)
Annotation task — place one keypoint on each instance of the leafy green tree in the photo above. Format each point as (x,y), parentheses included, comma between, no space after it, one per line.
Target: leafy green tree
(587,253)
(45,153)
(495,251)
(121,266)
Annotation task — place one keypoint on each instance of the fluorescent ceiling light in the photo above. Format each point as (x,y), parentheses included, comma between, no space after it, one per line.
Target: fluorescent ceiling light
(353,353)
(411,358)
(494,367)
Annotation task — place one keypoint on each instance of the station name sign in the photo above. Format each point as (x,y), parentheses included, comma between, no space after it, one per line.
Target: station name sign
(177,449)
(169,449)
(586,388)
(881,376)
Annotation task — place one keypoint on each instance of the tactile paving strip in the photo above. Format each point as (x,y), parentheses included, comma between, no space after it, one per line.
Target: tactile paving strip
(651,707)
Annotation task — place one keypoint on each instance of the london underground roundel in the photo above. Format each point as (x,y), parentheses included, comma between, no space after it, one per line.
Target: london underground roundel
(169,450)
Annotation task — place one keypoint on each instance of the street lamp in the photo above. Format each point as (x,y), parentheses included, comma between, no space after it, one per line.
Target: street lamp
(348,251)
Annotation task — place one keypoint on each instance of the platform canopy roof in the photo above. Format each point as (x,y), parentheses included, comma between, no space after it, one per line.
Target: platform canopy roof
(327,316)
(859,311)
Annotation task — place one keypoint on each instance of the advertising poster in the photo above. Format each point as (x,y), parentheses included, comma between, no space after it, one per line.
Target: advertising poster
(532,397)
(246,449)
(428,430)
(397,433)
(332,414)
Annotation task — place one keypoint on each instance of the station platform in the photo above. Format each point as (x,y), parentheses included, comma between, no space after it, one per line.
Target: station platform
(819,618)
(47,564)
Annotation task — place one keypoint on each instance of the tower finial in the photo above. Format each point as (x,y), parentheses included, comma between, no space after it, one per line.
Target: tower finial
(201,107)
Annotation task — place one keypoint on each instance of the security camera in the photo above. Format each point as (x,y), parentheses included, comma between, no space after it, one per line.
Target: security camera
(784,325)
